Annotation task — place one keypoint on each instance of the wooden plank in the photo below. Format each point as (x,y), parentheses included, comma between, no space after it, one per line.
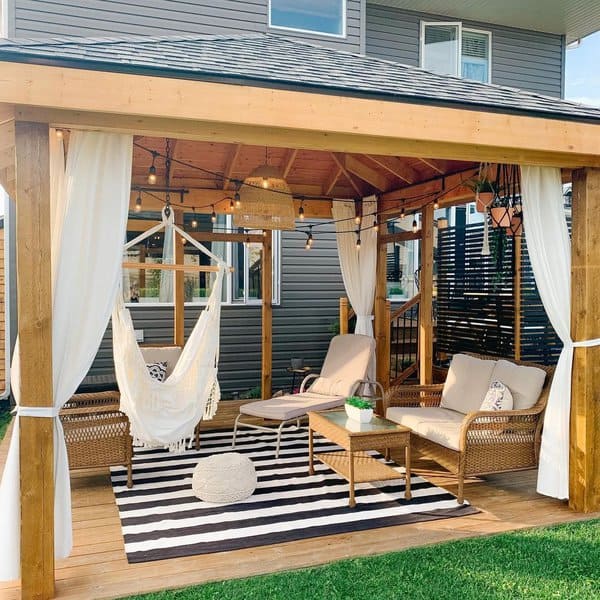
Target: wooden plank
(267,315)
(178,287)
(382,323)
(340,162)
(440,166)
(426,303)
(517,290)
(400,236)
(366,173)
(396,167)
(584,461)
(332,179)
(7,156)
(202,236)
(34,302)
(180,268)
(344,315)
(230,165)
(288,162)
(394,127)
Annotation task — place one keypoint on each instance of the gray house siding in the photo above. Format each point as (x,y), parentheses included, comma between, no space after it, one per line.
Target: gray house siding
(311,284)
(43,18)
(528,60)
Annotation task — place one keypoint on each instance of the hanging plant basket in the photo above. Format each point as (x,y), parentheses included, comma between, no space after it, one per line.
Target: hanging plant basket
(483,200)
(516,225)
(501,215)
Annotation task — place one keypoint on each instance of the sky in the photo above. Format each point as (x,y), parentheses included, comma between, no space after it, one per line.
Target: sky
(582,81)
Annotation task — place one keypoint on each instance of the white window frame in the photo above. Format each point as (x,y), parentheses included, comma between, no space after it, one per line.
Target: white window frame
(229,301)
(343,35)
(461,28)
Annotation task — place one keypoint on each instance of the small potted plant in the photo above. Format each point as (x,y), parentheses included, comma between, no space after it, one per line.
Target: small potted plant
(359,409)
(485,192)
(501,212)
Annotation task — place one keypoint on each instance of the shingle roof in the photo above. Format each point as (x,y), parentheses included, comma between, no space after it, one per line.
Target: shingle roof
(277,61)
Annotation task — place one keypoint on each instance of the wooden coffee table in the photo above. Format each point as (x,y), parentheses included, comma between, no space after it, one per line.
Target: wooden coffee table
(353,463)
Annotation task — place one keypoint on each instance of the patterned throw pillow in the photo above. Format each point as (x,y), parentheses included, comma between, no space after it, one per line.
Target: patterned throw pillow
(498,397)
(157,370)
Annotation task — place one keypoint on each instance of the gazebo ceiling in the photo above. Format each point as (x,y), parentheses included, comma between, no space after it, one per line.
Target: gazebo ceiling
(211,166)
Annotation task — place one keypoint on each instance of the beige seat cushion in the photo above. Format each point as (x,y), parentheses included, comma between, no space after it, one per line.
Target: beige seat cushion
(291,406)
(440,425)
(168,354)
(525,383)
(467,383)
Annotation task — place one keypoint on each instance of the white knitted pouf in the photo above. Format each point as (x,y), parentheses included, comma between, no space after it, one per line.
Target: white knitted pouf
(224,478)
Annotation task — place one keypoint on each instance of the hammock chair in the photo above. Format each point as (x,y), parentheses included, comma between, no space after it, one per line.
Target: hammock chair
(164,414)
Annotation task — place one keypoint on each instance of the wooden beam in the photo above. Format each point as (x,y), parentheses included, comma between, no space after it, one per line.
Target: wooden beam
(267,316)
(232,159)
(426,304)
(7,156)
(366,173)
(440,166)
(517,287)
(340,162)
(202,236)
(331,180)
(34,301)
(344,315)
(584,494)
(288,161)
(277,117)
(178,268)
(399,236)
(396,167)
(179,288)
(382,323)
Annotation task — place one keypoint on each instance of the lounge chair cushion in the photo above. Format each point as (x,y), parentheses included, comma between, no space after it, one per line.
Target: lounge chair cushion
(439,425)
(525,383)
(467,383)
(291,406)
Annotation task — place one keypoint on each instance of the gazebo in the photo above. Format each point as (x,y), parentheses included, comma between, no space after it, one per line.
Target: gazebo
(360,126)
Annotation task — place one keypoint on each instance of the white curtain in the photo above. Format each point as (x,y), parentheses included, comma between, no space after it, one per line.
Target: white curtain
(358,266)
(549,249)
(90,218)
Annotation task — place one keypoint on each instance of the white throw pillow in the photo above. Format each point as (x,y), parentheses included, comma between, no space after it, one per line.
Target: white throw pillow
(467,383)
(498,397)
(157,370)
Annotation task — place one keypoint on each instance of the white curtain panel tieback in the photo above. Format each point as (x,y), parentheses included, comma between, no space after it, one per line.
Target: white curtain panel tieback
(586,344)
(49,412)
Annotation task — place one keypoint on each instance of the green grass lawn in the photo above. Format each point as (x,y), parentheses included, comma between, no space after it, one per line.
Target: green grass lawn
(5,419)
(555,562)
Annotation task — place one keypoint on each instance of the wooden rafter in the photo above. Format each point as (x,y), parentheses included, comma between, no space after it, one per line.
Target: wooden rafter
(288,162)
(332,179)
(440,166)
(396,167)
(232,159)
(366,173)
(339,161)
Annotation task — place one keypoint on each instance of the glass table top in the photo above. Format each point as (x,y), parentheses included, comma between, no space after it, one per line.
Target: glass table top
(339,417)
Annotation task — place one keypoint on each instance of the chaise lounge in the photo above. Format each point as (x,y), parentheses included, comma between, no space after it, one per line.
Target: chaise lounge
(449,425)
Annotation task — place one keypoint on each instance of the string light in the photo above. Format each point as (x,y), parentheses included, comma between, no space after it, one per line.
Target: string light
(238,201)
(183,241)
(265,182)
(436,204)
(376,224)
(213,215)
(301,211)
(402,213)
(138,203)
(152,170)
(231,205)
(309,239)
(415,227)
(194,220)
(358,239)
(60,134)
(357,219)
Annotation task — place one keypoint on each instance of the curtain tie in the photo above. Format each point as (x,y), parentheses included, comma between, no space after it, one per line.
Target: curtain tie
(48,412)
(586,343)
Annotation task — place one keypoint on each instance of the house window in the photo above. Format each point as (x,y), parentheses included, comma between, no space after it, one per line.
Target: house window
(155,287)
(451,49)
(402,262)
(326,17)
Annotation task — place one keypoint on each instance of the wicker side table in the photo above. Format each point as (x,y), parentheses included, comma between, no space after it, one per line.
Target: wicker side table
(353,463)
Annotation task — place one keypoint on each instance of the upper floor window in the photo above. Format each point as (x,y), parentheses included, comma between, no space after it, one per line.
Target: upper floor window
(451,49)
(326,17)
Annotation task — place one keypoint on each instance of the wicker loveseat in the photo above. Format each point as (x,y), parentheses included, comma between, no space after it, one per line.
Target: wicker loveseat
(470,442)
(97,432)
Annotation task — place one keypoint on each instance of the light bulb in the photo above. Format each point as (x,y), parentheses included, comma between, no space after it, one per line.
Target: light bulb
(213,216)
(414,226)
(231,205)
(152,175)
(307,247)
(309,239)
(59,134)
(183,241)
(138,204)
(357,219)
(436,205)
(375,226)
(265,182)
(301,213)
(358,240)
(238,201)
(194,223)
(402,213)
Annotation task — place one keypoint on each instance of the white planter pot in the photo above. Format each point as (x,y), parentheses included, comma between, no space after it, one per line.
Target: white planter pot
(362,415)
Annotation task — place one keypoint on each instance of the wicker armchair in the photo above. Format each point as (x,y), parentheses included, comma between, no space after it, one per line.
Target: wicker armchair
(489,442)
(97,432)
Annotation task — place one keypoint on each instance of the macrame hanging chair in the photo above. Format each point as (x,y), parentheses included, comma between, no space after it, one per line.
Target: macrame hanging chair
(164,414)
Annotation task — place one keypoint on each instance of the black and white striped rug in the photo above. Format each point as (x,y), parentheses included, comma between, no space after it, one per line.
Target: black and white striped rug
(161,517)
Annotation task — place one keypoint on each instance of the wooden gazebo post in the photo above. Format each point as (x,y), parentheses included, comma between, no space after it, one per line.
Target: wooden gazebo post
(585,325)
(34,302)
(267,314)
(179,287)
(426,303)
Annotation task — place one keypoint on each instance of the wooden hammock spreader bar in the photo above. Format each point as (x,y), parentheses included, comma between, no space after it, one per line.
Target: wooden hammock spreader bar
(174,267)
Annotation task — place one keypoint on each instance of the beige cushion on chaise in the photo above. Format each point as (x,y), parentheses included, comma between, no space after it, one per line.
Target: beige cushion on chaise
(346,365)
(449,425)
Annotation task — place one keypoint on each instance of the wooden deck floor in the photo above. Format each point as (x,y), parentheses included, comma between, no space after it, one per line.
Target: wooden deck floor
(98,567)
